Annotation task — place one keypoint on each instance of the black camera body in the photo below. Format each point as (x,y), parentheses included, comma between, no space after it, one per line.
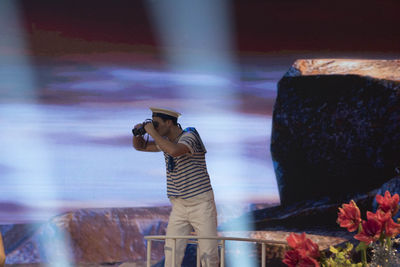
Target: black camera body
(141,131)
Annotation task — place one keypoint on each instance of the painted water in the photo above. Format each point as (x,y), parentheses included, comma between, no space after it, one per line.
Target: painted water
(68,144)
(66,139)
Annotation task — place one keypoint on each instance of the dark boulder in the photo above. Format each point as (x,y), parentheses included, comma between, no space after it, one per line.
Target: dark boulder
(336,128)
(318,216)
(393,186)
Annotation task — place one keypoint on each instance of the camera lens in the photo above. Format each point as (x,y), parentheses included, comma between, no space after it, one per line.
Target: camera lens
(138,131)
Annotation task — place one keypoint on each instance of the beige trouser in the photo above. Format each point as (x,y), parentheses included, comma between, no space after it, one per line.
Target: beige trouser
(198,213)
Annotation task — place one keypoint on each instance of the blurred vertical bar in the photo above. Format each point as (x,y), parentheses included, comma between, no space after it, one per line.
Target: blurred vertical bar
(196,38)
(24,148)
(15,73)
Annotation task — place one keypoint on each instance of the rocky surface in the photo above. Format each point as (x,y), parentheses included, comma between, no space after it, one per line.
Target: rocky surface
(95,236)
(317,217)
(114,237)
(378,69)
(335,128)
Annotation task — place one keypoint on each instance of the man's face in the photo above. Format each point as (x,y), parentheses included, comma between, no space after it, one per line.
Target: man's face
(162,127)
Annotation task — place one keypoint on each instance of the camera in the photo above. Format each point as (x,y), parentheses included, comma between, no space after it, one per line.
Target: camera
(141,131)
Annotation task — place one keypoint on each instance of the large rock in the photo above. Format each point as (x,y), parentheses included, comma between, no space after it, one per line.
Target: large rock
(108,235)
(336,128)
(318,216)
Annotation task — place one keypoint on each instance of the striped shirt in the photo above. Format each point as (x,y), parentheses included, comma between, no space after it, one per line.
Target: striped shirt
(189,176)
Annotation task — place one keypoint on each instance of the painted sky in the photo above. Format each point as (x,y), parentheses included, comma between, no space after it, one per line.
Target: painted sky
(94,67)
(64,26)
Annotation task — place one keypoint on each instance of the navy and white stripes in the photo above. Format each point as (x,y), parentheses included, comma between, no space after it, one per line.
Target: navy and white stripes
(189,177)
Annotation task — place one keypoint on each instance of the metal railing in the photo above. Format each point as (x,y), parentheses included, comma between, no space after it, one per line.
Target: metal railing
(221,241)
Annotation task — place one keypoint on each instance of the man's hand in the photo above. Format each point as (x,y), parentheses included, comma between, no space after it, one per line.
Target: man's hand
(137,131)
(142,145)
(137,126)
(149,127)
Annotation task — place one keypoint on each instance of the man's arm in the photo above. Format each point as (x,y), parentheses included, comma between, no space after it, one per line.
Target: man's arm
(140,144)
(172,149)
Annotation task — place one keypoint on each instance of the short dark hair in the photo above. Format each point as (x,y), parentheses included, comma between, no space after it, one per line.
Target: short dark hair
(166,117)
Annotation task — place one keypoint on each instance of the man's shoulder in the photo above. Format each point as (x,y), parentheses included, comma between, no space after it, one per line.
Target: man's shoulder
(191,137)
(190,130)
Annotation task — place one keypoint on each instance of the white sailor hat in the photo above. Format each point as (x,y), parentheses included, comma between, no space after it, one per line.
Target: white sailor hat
(164,111)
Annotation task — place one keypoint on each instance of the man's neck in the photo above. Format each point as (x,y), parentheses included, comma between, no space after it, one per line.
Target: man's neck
(175,132)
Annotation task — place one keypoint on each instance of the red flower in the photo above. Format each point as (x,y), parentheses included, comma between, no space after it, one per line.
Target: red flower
(388,203)
(292,258)
(304,253)
(349,216)
(296,240)
(305,246)
(392,229)
(371,230)
(310,249)
(380,215)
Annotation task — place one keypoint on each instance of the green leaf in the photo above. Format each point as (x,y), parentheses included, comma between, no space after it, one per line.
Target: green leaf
(349,247)
(333,250)
(361,246)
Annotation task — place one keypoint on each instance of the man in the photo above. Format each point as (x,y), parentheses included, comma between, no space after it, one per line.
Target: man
(188,184)
(2,254)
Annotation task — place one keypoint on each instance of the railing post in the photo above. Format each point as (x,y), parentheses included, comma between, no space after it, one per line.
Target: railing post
(222,244)
(173,251)
(263,247)
(222,253)
(148,252)
(197,254)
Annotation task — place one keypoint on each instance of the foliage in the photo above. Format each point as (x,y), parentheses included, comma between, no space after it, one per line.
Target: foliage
(377,233)
(341,257)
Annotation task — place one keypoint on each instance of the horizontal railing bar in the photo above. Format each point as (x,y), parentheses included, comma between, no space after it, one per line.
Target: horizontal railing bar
(192,242)
(266,241)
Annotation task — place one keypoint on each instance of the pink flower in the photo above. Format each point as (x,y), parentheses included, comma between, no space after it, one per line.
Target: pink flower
(371,231)
(349,216)
(388,203)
